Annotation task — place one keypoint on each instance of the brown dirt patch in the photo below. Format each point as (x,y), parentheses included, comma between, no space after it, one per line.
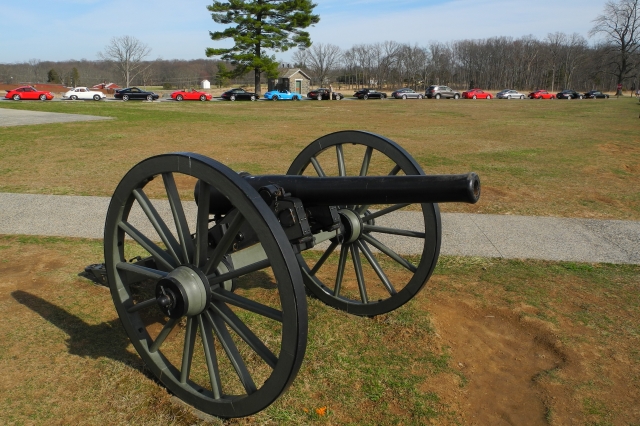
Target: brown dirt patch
(500,357)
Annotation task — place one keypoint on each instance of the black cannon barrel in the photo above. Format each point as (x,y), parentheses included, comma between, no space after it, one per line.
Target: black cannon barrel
(350,190)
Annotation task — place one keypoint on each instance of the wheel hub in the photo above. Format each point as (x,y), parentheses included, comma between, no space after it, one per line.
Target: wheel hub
(352,225)
(185,291)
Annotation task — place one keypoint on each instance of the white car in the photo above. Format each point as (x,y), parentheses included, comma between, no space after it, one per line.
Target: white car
(510,94)
(83,93)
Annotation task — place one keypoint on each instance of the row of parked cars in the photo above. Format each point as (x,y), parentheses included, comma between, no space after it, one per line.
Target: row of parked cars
(433,92)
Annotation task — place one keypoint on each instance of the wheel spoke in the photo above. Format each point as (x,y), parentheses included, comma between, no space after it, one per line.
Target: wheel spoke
(161,228)
(395,170)
(316,165)
(206,334)
(380,212)
(386,250)
(225,243)
(202,224)
(376,267)
(186,243)
(247,304)
(366,161)
(393,231)
(142,305)
(342,169)
(355,256)
(232,352)
(143,271)
(163,334)
(344,251)
(324,257)
(216,279)
(159,255)
(187,352)
(244,332)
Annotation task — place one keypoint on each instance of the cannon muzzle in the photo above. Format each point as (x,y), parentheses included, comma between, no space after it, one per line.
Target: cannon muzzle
(350,190)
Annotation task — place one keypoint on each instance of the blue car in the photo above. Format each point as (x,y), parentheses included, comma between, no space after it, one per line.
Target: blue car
(276,95)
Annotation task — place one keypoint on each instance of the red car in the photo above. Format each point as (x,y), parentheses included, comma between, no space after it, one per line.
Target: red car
(476,94)
(190,95)
(28,92)
(541,94)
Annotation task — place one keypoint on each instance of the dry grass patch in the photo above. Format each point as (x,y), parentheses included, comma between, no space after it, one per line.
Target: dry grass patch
(488,342)
(547,158)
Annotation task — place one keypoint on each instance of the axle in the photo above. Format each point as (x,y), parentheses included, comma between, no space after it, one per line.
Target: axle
(351,190)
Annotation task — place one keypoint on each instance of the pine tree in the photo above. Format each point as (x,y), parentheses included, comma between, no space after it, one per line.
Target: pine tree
(53,77)
(261,24)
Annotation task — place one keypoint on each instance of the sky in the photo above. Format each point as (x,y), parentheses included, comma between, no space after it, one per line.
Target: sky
(179,29)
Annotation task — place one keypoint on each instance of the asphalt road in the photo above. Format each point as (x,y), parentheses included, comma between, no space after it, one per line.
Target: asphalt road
(510,237)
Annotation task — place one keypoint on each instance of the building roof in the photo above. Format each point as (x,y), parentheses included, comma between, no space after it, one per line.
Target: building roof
(290,72)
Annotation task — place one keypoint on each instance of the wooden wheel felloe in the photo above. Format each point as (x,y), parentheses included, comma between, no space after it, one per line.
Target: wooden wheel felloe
(227,353)
(359,272)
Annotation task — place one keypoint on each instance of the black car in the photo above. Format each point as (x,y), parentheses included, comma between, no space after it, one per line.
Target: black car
(239,95)
(596,94)
(135,93)
(323,94)
(369,94)
(569,94)
(406,93)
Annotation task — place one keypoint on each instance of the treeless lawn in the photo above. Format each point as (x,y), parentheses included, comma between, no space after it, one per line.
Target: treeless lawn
(487,342)
(546,158)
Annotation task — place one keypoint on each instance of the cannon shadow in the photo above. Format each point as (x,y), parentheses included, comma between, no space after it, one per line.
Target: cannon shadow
(107,339)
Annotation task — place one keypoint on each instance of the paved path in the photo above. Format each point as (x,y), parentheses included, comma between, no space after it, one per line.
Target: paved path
(580,240)
(14,117)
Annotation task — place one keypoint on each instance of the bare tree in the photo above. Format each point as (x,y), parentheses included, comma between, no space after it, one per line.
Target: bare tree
(320,60)
(36,68)
(127,53)
(620,25)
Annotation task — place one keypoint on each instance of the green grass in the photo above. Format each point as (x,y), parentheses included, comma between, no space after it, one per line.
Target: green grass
(66,359)
(571,159)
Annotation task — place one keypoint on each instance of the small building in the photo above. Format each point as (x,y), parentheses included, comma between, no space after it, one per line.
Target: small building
(292,79)
(205,84)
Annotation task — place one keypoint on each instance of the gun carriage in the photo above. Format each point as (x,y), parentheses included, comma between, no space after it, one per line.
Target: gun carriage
(213,294)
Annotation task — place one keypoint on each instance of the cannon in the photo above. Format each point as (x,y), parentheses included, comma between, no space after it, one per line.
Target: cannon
(209,269)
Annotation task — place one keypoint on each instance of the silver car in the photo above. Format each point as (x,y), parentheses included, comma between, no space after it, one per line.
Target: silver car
(510,94)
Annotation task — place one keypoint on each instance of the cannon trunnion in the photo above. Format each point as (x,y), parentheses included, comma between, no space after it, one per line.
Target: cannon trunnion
(212,293)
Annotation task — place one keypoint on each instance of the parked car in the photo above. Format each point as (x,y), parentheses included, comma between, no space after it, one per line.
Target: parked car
(28,92)
(134,93)
(369,94)
(406,93)
(240,95)
(595,94)
(83,93)
(541,94)
(275,95)
(476,94)
(510,94)
(190,95)
(438,92)
(569,94)
(322,94)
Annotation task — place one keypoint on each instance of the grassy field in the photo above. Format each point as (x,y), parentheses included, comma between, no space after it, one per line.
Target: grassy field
(546,158)
(489,341)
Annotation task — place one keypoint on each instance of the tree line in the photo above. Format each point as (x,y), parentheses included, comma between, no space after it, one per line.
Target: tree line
(559,61)
(556,62)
